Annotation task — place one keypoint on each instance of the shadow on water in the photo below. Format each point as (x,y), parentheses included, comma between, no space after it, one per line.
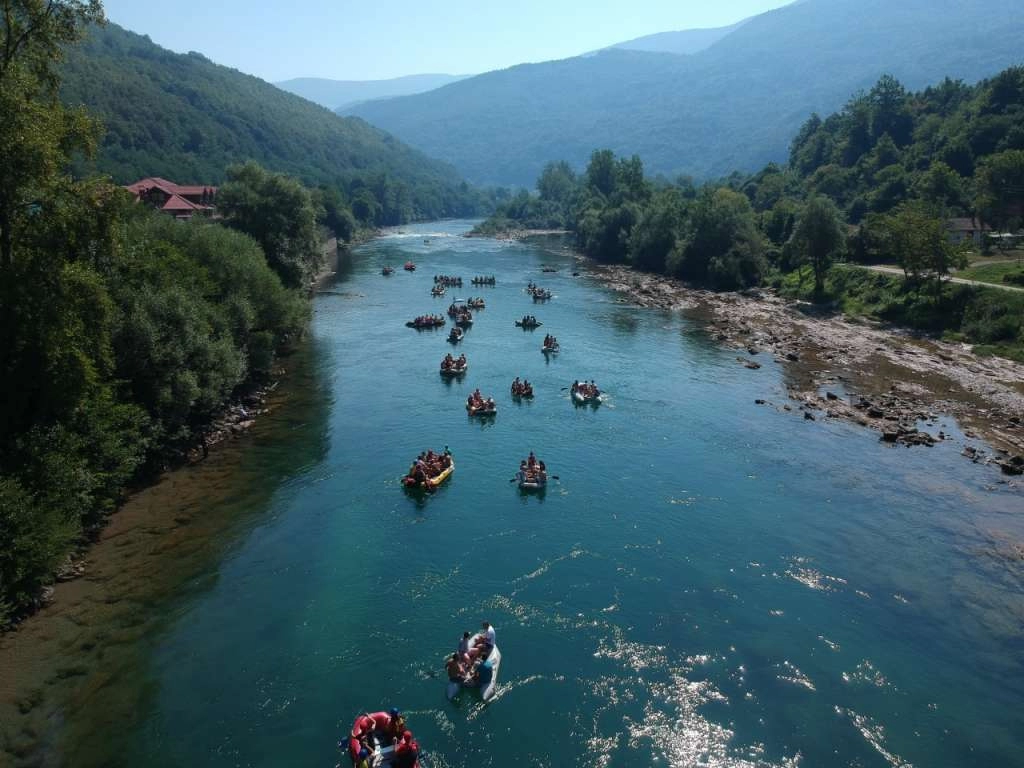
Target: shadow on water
(76,677)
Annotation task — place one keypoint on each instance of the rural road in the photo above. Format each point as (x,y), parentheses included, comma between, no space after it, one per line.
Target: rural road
(962,281)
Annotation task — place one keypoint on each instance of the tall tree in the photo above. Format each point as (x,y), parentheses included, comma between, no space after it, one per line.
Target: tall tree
(916,236)
(37,135)
(818,237)
(279,214)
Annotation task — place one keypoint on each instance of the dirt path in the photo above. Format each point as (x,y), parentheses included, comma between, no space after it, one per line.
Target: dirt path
(960,280)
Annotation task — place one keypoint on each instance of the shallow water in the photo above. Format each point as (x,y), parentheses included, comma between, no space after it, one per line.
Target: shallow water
(709,582)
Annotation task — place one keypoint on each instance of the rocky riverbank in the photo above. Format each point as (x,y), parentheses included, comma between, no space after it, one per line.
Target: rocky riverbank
(519,234)
(838,367)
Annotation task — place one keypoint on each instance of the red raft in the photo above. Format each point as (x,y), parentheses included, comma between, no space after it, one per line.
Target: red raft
(381,739)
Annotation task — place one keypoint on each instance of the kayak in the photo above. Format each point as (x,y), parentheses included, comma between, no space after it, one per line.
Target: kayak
(488,679)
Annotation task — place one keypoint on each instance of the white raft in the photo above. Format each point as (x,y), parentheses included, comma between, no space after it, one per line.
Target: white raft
(489,687)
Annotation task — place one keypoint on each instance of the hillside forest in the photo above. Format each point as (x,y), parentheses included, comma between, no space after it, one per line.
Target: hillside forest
(874,183)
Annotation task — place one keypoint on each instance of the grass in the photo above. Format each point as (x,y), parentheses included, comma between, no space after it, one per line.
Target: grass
(995,273)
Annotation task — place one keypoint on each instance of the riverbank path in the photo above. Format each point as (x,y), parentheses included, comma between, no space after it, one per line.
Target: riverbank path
(960,280)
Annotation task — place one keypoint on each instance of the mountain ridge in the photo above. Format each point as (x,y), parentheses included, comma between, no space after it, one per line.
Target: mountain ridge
(340,94)
(733,106)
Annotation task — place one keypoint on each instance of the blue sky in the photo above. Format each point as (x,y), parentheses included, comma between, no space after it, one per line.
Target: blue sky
(373,39)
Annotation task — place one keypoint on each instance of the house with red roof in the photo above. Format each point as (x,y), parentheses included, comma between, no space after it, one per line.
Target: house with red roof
(179,200)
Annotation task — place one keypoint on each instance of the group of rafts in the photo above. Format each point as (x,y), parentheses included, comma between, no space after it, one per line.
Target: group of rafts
(382,738)
(431,469)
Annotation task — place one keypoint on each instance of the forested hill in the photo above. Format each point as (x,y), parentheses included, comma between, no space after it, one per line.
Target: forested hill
(182,117)
(735,105)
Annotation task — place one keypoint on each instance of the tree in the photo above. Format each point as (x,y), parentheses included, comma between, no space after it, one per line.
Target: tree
(999,183)
(278,213)
(818,237)
(557,183)
(657,230)
(601,172)
(721,244)
(37,135)
(941,187)
(916,237)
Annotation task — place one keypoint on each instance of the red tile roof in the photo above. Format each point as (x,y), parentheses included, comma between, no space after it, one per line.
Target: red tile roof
(169,187)
(177,203)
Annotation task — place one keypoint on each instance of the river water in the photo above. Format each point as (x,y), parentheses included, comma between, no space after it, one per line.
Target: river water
(708,583)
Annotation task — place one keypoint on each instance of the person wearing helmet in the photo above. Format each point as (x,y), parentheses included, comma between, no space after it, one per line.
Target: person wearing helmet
(395,726)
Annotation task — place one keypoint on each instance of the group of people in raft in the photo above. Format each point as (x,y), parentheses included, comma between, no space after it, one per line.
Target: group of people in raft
(428,320)
(453,363)
(449,280)
(385,729)
(484,280)
(429,465)
(476,401)
(550,342)
(587,389)
(529,321)
(533,469)
(522,388)
(463,666)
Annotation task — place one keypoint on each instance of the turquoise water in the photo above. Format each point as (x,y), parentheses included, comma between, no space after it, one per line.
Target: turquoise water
(709,582)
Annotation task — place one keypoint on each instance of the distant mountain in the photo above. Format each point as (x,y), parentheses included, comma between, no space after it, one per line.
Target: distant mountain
(732,106)
(685,41)
(182,117)
(340,94)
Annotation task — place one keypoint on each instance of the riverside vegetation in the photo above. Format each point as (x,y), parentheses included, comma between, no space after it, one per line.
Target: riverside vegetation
(873,183)
(123,332)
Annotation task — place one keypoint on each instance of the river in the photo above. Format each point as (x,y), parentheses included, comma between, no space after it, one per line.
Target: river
(708,583)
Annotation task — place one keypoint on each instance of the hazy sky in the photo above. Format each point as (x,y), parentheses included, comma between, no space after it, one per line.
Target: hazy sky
(373,39)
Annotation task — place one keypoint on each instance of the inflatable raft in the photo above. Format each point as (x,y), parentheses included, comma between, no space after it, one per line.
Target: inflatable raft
(431,482)
(372,729)
(487,679)
(482,410)
(537,482)
(580,399)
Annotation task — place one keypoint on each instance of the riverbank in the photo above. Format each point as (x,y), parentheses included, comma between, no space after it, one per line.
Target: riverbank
(883,378)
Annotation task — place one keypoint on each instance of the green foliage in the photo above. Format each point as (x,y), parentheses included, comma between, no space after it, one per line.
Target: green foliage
(918,240)
(999,181)
(888,146)
(182,117)
(817,238)
(278,213)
